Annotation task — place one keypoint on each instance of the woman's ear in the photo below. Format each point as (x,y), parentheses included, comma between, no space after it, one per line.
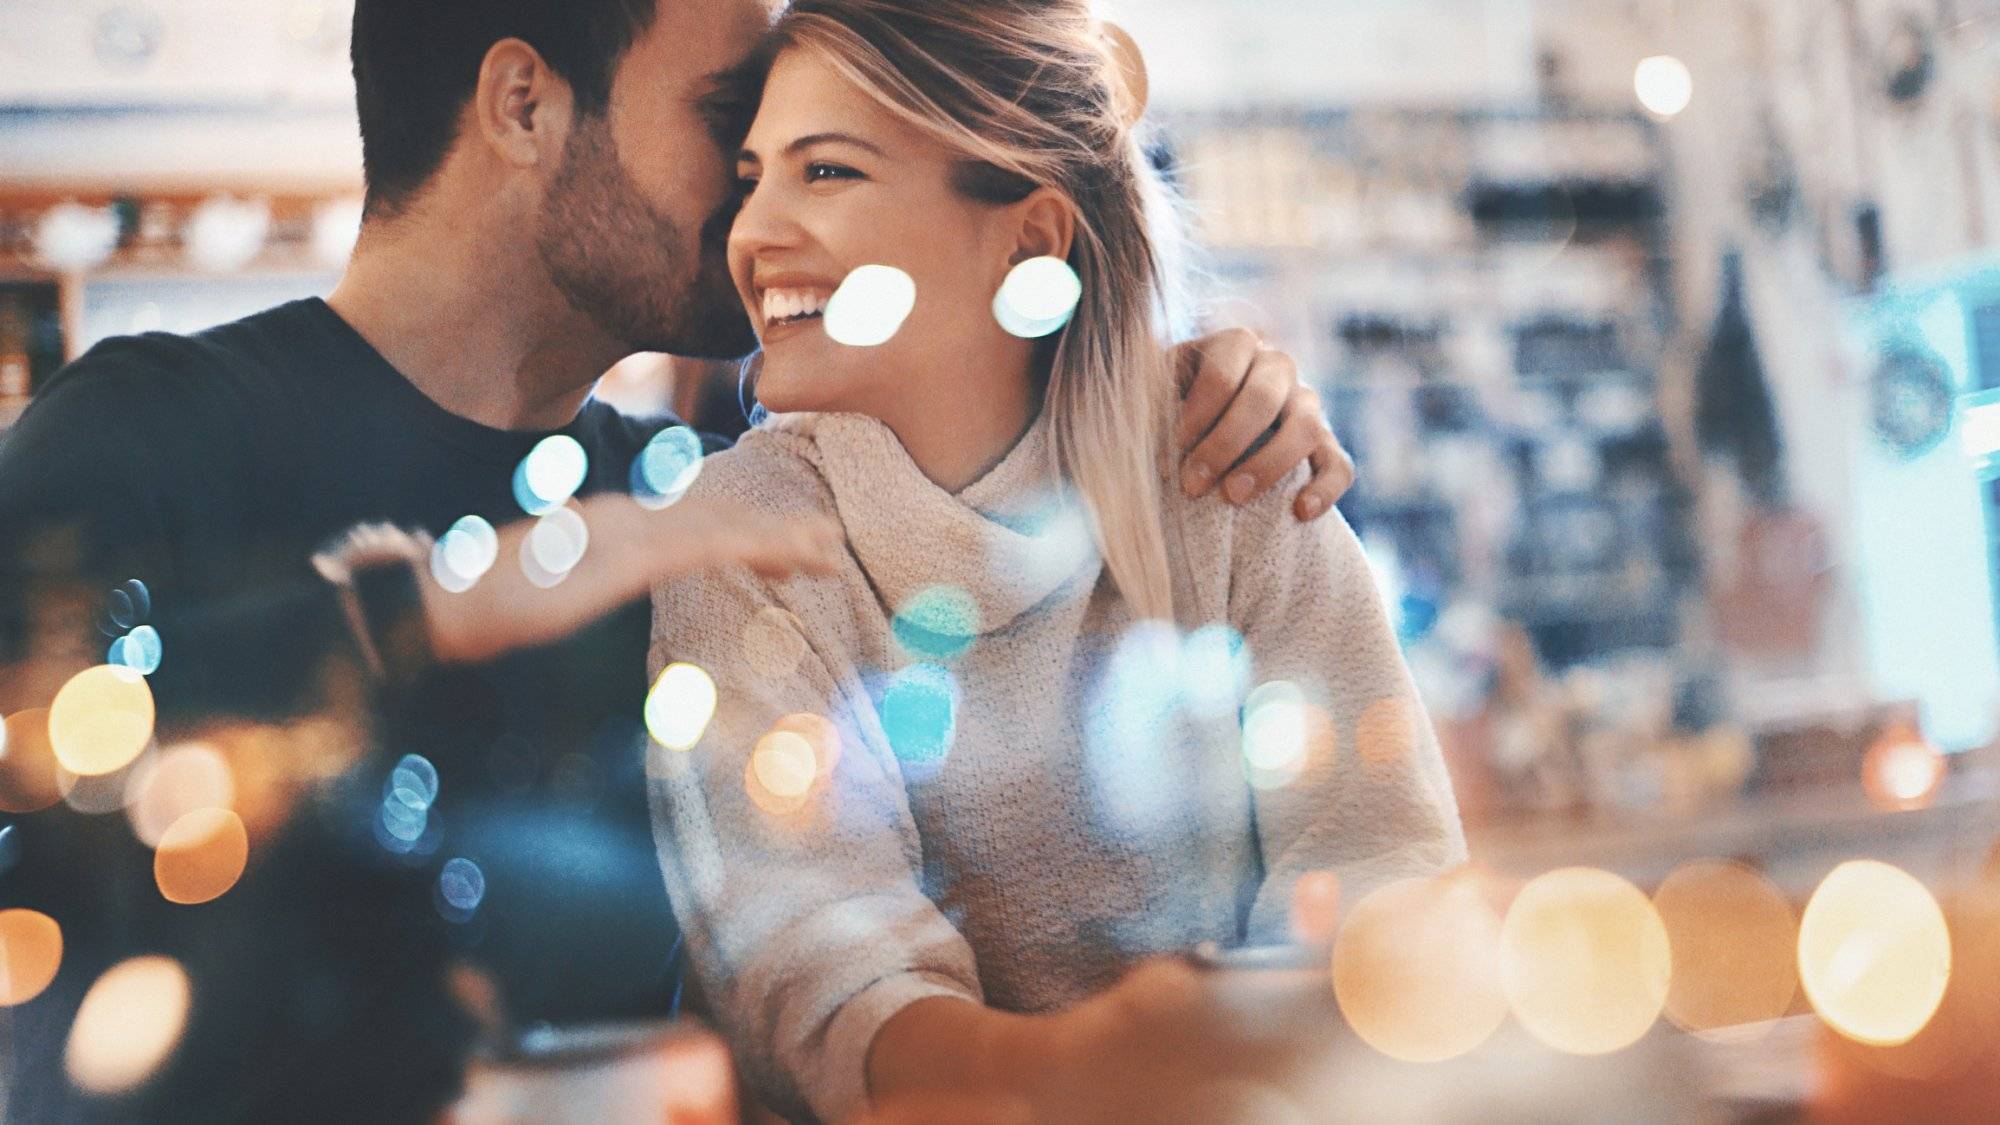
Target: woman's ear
(1047,226)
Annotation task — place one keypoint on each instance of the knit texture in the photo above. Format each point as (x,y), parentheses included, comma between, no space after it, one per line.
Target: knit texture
(1032,789)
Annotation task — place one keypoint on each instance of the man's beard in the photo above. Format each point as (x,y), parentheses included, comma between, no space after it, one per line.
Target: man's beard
(631,269)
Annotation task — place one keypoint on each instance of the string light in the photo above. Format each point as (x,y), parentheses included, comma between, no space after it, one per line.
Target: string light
(1585,961)
(1874,953)
(1416,969)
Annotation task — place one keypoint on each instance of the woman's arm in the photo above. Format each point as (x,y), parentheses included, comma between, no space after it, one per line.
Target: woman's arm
(805,918)
(1358,784)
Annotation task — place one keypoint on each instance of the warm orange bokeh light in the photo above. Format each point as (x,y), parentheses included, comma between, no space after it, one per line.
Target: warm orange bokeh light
(1734,940)
(130,1022)
(1585,960)
(1316,908)
(820,733)
(28,771)
(101,720)
(180,781)
(31,948)
(1416,969)
(201,856)
(1874,953)
(1902,771)
(781,771)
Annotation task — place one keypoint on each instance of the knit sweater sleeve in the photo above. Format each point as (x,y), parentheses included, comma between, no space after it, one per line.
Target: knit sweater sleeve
(805,918)
(1347,768)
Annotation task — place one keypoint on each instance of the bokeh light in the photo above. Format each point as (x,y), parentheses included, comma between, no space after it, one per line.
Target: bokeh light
(555,547)
(130,1022)
(29,774)
(463,554)
(31,949)
(773,643)
(1663,84)
(781,771)
(1734,940)
(668,466)
(461,888)
(201,856)
(1215,671)
(680,706)
(920,714)
(550,474)
(1901,771)
(1585,961)
(101,719)
(1874,953)
(180,780)
(1038,298)
(819,733)
(1282,733)
(403,823)
(1416,968)
(140,650)
(937,624)
(870,306)
(1316,908)
(128,606)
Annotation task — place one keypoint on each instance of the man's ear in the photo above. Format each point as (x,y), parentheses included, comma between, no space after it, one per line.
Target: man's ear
(521,109)
(1046,226)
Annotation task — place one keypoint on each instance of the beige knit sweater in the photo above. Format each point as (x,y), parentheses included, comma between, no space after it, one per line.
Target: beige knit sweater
(1019,821)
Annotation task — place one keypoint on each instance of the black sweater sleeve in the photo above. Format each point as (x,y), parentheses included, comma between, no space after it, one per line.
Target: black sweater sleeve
(129,466)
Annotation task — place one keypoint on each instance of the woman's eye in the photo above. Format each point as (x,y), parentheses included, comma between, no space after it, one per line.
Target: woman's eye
(819,171)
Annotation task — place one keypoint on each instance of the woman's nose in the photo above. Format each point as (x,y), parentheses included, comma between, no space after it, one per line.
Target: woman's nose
(763,222)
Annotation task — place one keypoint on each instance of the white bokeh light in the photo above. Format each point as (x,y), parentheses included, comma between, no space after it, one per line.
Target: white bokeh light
(1038,298)
(550,474)
(1664,85)
(870,306)
(71,237)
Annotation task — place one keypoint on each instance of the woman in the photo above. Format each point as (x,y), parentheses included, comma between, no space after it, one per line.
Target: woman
(996,759)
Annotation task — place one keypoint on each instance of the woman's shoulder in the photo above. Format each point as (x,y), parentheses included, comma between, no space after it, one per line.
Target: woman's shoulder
(1216,544)
(767,470)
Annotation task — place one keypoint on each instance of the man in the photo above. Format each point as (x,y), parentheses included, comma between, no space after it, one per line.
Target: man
(547,193)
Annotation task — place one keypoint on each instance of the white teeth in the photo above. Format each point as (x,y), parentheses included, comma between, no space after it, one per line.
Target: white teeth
(788,304)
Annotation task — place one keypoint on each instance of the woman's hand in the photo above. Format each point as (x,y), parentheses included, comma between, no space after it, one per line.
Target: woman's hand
(1238,394)
(630,549)
(1170,1041)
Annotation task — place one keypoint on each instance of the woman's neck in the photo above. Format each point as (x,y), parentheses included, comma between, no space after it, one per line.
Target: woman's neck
(958,431)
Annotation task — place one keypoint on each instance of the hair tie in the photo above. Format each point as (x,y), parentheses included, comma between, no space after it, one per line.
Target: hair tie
(1130,86)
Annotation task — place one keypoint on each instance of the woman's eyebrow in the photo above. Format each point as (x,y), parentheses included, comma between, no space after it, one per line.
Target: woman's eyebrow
(810,140)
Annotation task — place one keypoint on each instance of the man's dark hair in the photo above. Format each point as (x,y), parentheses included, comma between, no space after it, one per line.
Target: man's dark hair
(416,65)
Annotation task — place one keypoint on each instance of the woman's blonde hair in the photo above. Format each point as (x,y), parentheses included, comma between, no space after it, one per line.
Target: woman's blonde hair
(1027,95)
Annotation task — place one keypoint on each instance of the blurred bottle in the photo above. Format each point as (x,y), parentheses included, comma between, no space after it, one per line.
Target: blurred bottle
(16,364)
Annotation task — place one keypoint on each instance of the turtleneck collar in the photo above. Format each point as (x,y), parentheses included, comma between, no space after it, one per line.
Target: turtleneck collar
(1011,540)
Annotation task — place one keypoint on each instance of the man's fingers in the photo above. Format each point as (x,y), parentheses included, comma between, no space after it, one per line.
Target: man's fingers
(1333,476)
(1296,439)
(1211,370)
(1250,415)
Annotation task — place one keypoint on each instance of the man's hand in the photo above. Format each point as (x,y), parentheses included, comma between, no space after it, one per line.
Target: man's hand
(1237,391)
(630,550)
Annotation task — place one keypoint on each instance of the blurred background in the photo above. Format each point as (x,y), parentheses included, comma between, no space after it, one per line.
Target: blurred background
(1665,333)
